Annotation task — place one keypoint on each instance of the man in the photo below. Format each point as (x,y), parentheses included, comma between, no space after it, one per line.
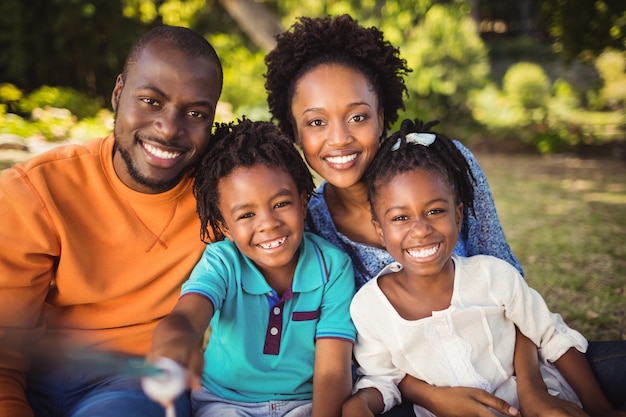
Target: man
(96,240)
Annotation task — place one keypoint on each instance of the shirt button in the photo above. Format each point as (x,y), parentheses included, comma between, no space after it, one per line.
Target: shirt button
(276,311)
(273,331)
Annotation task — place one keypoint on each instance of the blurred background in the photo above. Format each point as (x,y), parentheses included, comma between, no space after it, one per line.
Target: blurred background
(537,89)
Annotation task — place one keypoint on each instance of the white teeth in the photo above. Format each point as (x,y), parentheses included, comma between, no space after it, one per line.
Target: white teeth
(423,253)
(273,244)
(159,153)
(341,159)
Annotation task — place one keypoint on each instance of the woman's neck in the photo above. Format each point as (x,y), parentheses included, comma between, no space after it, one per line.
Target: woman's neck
(351,214)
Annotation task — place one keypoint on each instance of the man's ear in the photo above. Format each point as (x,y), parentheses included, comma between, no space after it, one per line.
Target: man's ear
(117,91)
(379,232)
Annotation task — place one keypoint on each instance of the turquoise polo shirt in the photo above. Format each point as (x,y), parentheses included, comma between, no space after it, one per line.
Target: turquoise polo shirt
(262,347)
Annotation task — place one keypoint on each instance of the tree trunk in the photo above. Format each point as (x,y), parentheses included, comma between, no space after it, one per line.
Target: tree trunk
(256,20)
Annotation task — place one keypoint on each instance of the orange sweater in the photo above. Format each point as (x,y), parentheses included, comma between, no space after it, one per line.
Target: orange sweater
(85,261)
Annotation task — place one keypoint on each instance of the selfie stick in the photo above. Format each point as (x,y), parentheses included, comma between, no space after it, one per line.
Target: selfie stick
(166,386)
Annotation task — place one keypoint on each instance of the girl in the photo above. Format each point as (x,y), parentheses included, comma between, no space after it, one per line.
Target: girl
(277,298)
(447,319)
(335,87)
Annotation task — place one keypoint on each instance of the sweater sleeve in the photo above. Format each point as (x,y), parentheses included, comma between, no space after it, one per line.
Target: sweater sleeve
(482,232)
(28,249)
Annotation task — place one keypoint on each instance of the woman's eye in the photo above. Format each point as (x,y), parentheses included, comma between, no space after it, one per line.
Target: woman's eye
(316,123)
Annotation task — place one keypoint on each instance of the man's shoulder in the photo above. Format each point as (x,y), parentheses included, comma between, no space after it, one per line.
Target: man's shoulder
(67,155)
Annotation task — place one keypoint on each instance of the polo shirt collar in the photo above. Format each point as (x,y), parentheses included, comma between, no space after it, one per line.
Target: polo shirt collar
(310,271)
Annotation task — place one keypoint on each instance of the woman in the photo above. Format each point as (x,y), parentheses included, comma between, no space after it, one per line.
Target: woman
(335,87)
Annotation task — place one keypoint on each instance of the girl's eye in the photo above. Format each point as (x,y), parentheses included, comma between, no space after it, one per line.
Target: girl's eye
(282,204)
(435,212)
(399,218)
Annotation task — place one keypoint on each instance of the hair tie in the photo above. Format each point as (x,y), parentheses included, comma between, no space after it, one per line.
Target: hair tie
(424,139)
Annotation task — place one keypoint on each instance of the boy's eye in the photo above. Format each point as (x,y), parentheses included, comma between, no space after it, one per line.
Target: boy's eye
(245,216)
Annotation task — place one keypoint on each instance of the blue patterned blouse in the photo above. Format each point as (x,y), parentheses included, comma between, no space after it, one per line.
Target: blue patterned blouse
(481,232)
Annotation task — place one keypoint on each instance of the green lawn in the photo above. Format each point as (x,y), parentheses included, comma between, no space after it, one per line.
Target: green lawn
(565,219)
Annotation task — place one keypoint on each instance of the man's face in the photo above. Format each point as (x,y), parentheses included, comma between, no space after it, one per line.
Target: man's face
(164,113)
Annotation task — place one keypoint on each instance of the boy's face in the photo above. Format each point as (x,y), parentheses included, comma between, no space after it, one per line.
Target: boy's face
(418,221)
(264,216)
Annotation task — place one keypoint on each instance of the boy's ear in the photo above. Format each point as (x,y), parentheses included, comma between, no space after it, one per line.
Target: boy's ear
(379,232)
(305,203)
(224,230)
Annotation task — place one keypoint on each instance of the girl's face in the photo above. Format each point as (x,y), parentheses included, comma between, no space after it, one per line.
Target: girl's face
(418,221)
(264,216)
(337,122)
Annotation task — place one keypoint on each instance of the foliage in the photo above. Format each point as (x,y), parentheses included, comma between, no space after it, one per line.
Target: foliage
(611,65)
(13,124)
(448,59)
(74,101)
(546,115)
(583,28)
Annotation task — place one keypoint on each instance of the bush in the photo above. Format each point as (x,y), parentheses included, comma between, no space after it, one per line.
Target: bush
(77,103)
(527,85)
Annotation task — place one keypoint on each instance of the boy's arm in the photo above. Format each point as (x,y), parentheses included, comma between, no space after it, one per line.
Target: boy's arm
(178,336)
(332,376)
(366,402)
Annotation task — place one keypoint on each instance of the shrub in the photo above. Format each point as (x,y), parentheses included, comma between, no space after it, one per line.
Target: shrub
(77,103)
(527,85)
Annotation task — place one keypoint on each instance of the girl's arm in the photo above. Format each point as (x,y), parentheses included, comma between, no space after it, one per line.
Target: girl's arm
(179,334)
(534,398)
(332,376)
(576,370)
(454,401)
(366,402)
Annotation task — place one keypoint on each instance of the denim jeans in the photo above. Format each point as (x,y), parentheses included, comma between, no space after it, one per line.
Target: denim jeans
(608,362)
(64,390)
(207,404)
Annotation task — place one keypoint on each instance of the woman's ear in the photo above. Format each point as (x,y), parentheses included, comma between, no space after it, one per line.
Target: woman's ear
(117,91)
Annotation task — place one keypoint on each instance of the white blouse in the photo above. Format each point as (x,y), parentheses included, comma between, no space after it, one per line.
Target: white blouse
(471,343)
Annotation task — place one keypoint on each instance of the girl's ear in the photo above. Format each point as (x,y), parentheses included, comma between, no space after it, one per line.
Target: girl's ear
(379,232)
(459,215)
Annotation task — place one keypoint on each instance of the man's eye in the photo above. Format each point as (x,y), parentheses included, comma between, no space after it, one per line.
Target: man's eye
(150,101)
(196,114)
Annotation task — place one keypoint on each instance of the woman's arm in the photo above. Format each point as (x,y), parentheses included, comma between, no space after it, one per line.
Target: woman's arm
(332,377)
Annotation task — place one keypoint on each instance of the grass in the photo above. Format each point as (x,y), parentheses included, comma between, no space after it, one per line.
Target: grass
(565,219)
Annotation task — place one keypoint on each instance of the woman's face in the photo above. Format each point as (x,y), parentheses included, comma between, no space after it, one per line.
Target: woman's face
(337,122)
